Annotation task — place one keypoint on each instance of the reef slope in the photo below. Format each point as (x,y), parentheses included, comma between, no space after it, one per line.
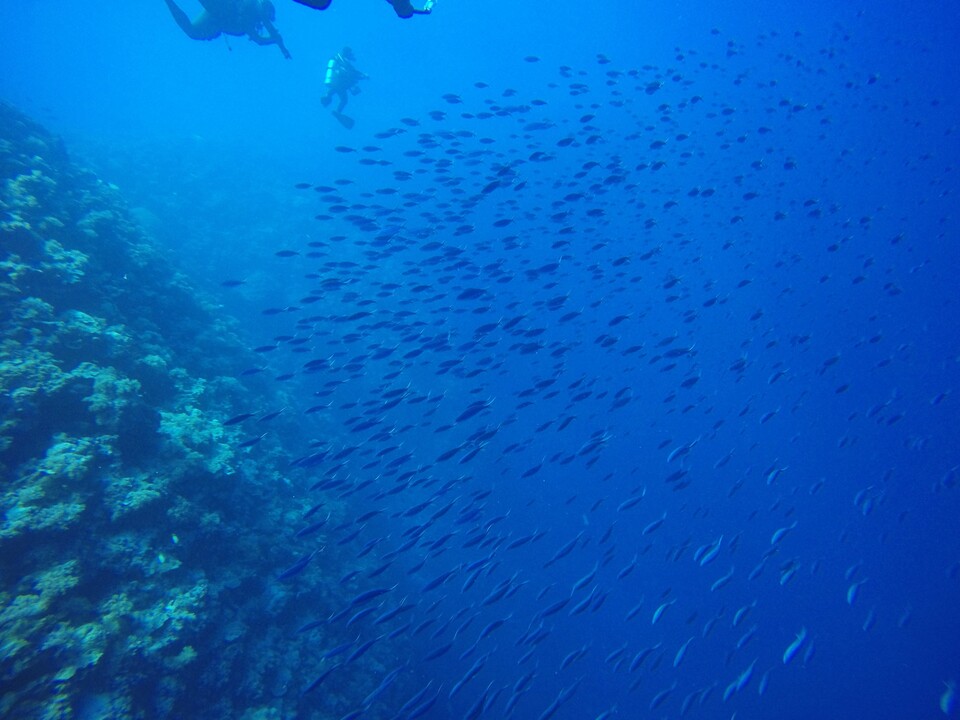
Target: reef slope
(132,521)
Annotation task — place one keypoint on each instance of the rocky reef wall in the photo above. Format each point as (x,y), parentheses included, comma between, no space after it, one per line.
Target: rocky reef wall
(132,520)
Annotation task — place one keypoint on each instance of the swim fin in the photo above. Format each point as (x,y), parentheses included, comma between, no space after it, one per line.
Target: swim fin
(347,122)
(315,4)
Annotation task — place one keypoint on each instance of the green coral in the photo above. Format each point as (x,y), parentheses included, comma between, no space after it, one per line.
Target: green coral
(261,713)
(34,310)
(201,439)
(32,321)
(98,222)
(13,266)
(129,554)
(22,515)
(21,607)
(10,645)
(66,264)
(57,580)
(179,661)
(14,222)
(154,361)
(77,324)
(25,614)
(129,493)
(31,376)
(80,331)
(163,624)
(30,190)
(52,496)
(112,393)
(70,458)
(77,647)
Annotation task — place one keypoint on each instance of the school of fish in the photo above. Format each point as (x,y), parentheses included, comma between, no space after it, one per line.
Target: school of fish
(579,411)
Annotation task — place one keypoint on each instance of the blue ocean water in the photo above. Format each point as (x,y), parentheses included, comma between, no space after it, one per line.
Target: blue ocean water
(621,341)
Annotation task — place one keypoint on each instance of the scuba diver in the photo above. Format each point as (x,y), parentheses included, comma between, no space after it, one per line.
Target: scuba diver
(342,79)
(403,8)
(231,17)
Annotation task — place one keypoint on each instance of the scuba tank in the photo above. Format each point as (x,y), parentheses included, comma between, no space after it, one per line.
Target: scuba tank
(428,5)
(331,68)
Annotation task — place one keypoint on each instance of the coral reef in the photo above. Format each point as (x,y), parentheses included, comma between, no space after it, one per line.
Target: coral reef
(131,520)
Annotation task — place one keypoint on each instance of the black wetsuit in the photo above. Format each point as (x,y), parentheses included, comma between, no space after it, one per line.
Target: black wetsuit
(229,17)
(403,8)
(315,4)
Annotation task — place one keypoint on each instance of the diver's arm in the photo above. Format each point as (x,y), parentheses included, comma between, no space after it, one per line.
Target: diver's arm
(352,72)
(273,38)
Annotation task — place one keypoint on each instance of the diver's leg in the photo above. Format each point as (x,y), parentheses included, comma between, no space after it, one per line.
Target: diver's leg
(180,17)
(344,96)
(202,29)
